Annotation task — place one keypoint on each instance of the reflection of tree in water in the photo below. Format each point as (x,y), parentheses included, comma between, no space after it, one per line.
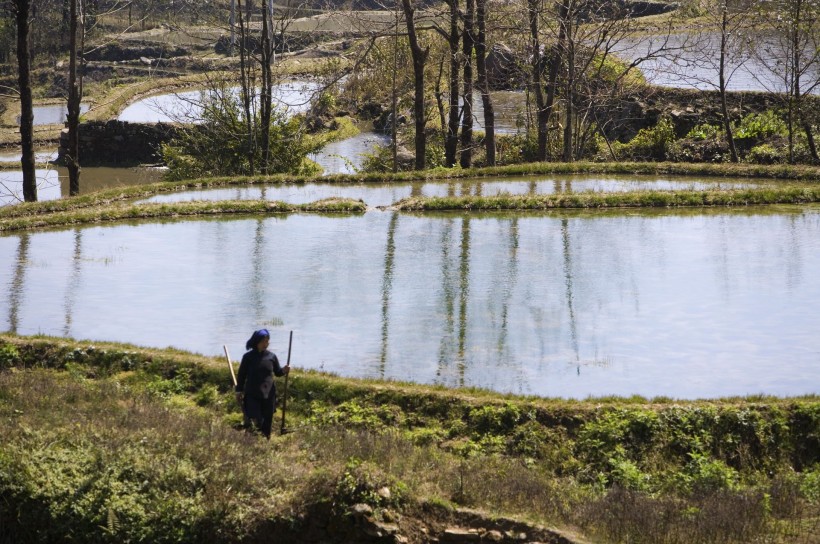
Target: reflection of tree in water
(573,326)
(464,296)
(387,285)
(448,299)
(455,285)
(73,281)
(16,291)
(257,284)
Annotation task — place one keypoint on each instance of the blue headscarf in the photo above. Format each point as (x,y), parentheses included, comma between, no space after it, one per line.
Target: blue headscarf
(256,338)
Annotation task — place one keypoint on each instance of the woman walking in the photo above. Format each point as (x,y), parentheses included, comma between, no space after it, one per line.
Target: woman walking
(255,390)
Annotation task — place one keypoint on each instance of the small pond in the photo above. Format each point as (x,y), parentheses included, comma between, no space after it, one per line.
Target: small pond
(385,194)
(689,304)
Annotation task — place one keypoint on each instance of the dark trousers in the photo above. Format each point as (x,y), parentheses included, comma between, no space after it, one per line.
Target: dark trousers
(260,412)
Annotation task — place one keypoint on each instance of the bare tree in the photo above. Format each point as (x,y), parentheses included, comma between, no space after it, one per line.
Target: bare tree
(468,44)
(452,37)
(419,55)
(789,49)
(22,12)
(483,83)
(75,93)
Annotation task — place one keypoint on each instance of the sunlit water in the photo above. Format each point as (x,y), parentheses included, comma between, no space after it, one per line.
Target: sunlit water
(385,194)
(689,305)
(186,107)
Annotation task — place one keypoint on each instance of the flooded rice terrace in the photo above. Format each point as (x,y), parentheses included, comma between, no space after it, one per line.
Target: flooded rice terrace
(684,304)
(384,194)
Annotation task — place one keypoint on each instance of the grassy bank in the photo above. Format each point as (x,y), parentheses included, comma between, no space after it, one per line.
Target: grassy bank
(105,466)
(638,199)
(107,197)
(100,214)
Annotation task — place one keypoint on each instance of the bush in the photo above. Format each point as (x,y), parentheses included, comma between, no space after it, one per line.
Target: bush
(759,126)
(705,131)
(765,154)
(219,146)
(649,144)
(9,356)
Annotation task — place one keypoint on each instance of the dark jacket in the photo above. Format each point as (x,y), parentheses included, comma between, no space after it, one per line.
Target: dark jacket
(256,371)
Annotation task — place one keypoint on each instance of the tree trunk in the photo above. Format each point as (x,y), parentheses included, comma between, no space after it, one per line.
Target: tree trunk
(451,139)
(266,105)
(727,124)
(419,60)
(483,84)
(569,112)
(22,16)
(74,98)
(556,60)
(541,111)
(467,115)
(246,91)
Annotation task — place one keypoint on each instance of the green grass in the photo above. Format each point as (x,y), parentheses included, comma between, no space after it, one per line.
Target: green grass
(778,172)
(113,212)
(637,199)
(105,465)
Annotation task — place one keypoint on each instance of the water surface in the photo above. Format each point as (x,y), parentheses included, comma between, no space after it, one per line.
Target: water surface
(385,194)
(186,107)
(52,182)
(686,304)
(347,156)
(52,114)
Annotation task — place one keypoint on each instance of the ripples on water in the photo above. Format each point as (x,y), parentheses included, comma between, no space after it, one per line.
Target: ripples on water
(574,304)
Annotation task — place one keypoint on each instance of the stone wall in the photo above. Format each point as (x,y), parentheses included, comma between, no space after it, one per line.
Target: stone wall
(685,107)
(118,143)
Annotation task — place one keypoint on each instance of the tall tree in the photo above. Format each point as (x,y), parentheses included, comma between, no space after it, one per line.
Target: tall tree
(537,70)
(451,137)
(468,44)
(75,93)
(419,55)
(22,10)
(483,83)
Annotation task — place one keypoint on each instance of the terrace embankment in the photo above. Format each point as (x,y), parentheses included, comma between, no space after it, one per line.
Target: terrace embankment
(142,447)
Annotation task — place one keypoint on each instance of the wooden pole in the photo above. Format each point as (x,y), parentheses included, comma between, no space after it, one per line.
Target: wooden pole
(285,392)
(230,365)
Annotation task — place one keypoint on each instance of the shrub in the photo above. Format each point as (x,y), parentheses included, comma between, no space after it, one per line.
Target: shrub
(705,131)
(9,356)
(220,146)
(759,126)
(703,476)
(765,154)
(648,144)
